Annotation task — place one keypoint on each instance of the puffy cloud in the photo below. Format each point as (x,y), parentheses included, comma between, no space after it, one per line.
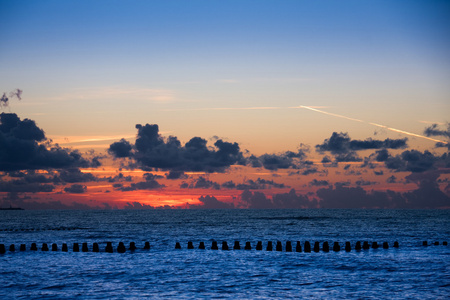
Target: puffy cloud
(150,183)
(412,161)
(120,149)
(256,200)
(27,203)
(74,175)
(250,184)
(201,183)
(23,186)
(286,160)
(75,189)
(344,148)
(151,150)
(176,175)
(210,202)
(316,182)
(292,201)
(433,130)
(22,148)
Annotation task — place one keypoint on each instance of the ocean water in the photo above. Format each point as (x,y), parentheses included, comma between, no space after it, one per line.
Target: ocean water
(411,271)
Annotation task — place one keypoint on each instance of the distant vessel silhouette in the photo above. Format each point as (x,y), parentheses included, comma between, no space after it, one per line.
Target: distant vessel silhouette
(11,208)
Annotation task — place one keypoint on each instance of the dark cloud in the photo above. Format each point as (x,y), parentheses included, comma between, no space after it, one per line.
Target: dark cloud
(151,150)
(434,130)
(292,201)
(250,184)
(286,160)
(363,182)
(137,205)
(210,202)
(316,182)
(150,183)
(4,100)
(344,148)
(120,149)
(27,203)
(378,173)
(176,175)
(22,147)
(23,186)
(427,195)
(75,189)
(256,200)
(201,183)
(74,175)
(412,161)
(118,177)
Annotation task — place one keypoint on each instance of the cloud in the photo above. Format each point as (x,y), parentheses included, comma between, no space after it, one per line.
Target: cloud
(75,189)
(4,100)
(255,200)
(150,183)
(412,161)
(210,202)
(433,130)
(201,183)
(22,147)
(344,148)
(151,150)
(290,200)
(22,186)
(176,175)
(285,160)
(316,182)
(25,202)
(74,175)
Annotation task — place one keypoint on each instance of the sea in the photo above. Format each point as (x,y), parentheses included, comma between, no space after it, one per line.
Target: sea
(411,271)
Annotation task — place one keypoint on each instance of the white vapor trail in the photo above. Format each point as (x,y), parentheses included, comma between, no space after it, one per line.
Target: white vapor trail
(374,124)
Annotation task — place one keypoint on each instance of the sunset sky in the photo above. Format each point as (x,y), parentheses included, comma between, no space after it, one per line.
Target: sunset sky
(258,104)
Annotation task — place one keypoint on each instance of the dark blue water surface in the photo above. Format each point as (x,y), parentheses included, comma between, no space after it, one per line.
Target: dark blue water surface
(410,271)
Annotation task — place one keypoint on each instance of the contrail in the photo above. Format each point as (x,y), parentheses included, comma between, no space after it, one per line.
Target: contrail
(374,124)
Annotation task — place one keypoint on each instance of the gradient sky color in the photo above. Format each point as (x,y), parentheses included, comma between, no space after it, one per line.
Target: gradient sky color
(269,75)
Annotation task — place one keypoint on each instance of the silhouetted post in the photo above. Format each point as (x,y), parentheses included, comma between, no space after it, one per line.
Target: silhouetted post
(109,247)
(444,243)
(269,246)
(64,248)
(288,246)
(54,247)
(236,246)
(259,246)
(225,245)
(201,246)
(121,248)
(33,247)
(12,248)
(436,243)
(298,247)
(23,247)
(84,247)
(348,247)
(147,246)
(190,245)
(366,245)
(279,247)
(385,245)
(316,247)
(95,248)
(374,245)
(76,247)
(248,246)
(214,246)
(336,247)
(396,245)
(326,247)
(2,249)
(44,247)
(424,243)
(307,247)
(132,246)
(177,245)
(358,246)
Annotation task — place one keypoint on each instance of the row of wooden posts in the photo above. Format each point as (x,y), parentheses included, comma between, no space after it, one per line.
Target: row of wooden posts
(214,246)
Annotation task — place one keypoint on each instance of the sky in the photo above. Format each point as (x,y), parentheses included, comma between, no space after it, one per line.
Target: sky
(224,104)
